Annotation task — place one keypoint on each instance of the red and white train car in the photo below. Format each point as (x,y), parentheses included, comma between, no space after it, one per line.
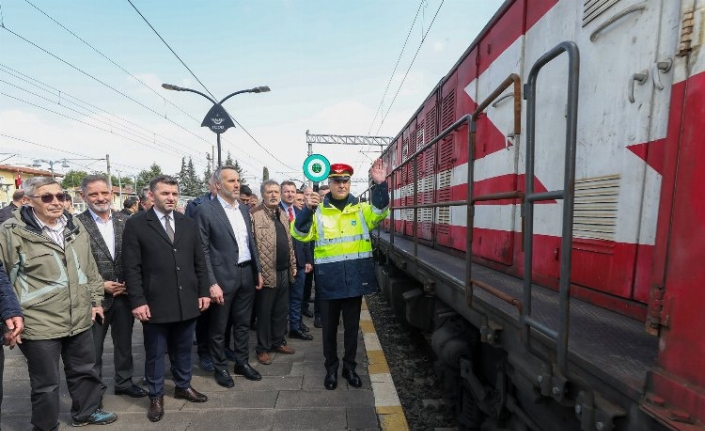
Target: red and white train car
(635,354)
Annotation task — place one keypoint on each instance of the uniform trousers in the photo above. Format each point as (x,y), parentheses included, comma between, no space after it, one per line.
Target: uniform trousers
(177,338)
(272,306)
(331,310)
(120,321)
(78,355)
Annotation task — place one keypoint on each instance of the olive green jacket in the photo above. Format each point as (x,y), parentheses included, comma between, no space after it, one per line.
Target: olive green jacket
(56,287)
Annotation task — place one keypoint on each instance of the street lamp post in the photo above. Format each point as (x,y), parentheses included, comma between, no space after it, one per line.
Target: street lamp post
(38,164)
(217,119)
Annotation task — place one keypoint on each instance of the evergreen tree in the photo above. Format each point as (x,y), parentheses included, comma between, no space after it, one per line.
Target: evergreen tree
(73,179)
(194,184)
(229,160)
(146,175)
(265,174)
(206,174)
(182,177)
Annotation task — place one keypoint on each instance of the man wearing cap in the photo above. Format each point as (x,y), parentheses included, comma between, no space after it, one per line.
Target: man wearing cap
(343,262)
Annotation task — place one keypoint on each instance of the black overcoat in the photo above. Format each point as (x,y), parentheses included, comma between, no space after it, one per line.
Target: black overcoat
(168,277)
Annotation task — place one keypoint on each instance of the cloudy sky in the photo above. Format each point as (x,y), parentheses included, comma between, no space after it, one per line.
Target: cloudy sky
(80,79)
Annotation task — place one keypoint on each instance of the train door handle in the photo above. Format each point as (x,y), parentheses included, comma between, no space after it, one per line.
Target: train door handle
(661,66)
(641,78)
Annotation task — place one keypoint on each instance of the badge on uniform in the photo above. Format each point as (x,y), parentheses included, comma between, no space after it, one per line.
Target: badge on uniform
(353,222)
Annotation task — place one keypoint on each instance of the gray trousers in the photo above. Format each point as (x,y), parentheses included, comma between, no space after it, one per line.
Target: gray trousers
(120,321)
(78,354)
(272,304)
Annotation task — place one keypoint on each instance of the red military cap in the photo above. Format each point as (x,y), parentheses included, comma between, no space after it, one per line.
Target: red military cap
(340,170)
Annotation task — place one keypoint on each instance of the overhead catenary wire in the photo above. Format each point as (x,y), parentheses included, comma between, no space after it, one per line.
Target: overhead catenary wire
(423,39)
(78,69)
(77,101)
(379,108)
(203,85)
(111,60)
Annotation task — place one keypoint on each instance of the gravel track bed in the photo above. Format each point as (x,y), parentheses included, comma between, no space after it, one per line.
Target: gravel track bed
(410,360)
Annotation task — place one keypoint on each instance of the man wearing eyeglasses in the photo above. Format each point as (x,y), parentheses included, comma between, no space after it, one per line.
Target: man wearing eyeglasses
(47,256)
(343,260)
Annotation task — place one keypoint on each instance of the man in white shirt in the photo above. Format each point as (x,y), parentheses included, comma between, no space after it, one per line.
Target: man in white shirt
(234,273)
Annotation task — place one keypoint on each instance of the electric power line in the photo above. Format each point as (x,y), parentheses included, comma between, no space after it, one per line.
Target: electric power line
(100,81)
(110,60)
(379,108)
(409,68)
(202,84)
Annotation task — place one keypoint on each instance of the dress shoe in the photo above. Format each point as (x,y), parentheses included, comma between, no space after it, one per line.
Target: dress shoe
(307,313)
(133,391)
(223,378)
(156,409)
(247,371)
(303,327)
(206,364)
(352,378)
(264,358)
(284,349)
(190,394)
(229,355)
(300,335)
(331,380)
(317,322)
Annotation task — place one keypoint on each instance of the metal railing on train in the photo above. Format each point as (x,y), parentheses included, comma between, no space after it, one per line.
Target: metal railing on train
(529,197)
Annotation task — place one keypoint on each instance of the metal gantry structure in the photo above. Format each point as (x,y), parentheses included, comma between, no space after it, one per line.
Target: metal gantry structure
(380,141)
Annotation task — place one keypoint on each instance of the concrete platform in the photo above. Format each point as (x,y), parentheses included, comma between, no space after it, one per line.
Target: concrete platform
(290,396)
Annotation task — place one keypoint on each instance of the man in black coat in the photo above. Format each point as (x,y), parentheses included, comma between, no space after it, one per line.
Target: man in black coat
(105,228)
(167,284)
(233,272)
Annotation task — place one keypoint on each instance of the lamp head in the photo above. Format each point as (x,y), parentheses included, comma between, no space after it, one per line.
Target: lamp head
(261,89)
(172,87)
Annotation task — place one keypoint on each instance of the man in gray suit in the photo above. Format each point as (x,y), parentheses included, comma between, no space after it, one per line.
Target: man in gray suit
(234,272)
(105,228)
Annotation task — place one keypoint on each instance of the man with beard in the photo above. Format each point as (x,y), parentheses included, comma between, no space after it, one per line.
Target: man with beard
(167,284)
(233,273)
(105,228)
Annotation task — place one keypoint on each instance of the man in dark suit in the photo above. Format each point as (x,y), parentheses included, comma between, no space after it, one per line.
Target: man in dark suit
(167,284)
(304,257)
(233,272)
(205,361)
(105,228)
(18,199)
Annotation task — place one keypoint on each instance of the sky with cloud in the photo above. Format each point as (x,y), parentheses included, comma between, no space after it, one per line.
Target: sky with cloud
(80,79)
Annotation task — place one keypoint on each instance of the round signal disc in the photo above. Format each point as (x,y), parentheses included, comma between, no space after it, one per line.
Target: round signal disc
(316,168)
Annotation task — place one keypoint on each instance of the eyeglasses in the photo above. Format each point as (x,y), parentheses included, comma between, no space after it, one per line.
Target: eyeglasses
(49,198)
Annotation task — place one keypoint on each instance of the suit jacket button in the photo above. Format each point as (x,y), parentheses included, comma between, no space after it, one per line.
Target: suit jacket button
(179,287)
(178,269)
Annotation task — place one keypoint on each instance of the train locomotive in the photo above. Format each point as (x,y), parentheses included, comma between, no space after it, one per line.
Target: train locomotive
(546,224)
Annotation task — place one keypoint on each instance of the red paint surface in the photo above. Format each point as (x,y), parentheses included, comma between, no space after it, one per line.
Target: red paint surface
(682,352)
(653,153)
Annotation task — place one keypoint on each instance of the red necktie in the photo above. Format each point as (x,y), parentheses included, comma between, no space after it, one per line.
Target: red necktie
(291,214)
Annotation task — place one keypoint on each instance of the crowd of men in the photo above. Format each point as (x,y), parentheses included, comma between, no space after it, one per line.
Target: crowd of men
(228,264)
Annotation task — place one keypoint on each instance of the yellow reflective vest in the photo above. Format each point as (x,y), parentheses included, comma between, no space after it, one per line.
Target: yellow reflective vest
(343,254)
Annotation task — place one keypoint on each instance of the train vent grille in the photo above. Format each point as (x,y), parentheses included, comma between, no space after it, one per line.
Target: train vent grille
(596,202)
(594,8)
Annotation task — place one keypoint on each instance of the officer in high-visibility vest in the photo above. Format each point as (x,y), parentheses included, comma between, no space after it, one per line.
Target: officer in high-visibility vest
(343,259)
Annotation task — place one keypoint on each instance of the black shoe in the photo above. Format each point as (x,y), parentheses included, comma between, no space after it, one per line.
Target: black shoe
(206,364)
(247,371)
(352,378)
(300,335)
(303,327)
(331,380)
(190,394)
(307,313)
(133,391)
(223,378)
(156,409)
(317,322)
